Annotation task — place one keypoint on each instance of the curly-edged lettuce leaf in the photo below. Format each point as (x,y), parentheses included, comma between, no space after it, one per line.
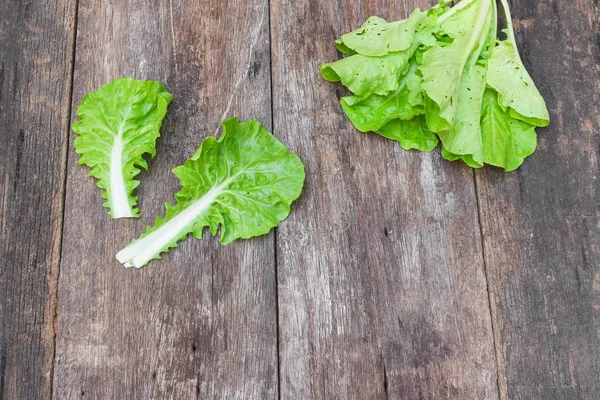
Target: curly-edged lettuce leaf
(380,54)
(381,73)
(370,113)
(119,123)
(410,134)
(378,38)
(366,75)
(244,182)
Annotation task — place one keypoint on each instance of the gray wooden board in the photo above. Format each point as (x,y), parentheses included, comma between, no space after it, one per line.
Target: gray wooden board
(380,272)
(36,44)
(381,280)
(541,225)
(201,323)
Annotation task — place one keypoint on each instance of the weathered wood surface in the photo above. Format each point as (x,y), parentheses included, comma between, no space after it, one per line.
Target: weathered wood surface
(398,275)
(541,225)
(382,290)
(36,44)
(202,322)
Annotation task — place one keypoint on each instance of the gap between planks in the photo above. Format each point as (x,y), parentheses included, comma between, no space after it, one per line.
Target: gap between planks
(65,163)
(495,333)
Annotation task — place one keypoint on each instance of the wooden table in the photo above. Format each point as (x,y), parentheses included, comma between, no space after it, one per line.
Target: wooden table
(398,275)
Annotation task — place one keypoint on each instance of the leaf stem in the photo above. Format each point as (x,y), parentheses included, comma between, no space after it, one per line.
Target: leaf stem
(454,10)
(149,246)
(119,201)
(510,32)
(475,41)
(119,198)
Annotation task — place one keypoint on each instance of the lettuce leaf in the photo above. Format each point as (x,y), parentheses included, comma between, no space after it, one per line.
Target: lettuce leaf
(244,182)
(119,123)
(447,69)
(463,137)
(378,38)
(370,113)
(507,141)
(508,76)
(366,75)
(410,134)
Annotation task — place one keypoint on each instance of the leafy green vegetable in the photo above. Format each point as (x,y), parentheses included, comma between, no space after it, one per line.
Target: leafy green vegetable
(411,134)
(243,182)
(442,74)
(506,140)
(377,38)
(119,123)
(508,76)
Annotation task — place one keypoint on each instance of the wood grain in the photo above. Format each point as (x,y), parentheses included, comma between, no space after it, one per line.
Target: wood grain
(36,44)
(541,225)
(397,276)
(381,279)
(201,323)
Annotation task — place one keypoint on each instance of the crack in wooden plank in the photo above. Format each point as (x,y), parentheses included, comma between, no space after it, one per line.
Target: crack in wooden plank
(491,307)
(244,72)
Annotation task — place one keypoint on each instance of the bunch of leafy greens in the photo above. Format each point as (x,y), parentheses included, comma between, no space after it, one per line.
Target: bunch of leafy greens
(119,123)
(243,182)
(443,75)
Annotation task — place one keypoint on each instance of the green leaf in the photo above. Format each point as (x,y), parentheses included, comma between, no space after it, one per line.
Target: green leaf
(508,76)
(366,75)
(444,67)
(464,137)
(378,38)
(342,48)
(507,141)
(372,112)
(467,159)
(411,134)
(244,183)
(119,123)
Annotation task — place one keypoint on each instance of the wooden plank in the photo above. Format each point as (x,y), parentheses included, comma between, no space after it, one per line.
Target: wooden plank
(36,42)
(381,280)
(542,224)
(202,322)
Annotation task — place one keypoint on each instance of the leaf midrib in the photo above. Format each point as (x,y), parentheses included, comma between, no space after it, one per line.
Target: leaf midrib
(118,192)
